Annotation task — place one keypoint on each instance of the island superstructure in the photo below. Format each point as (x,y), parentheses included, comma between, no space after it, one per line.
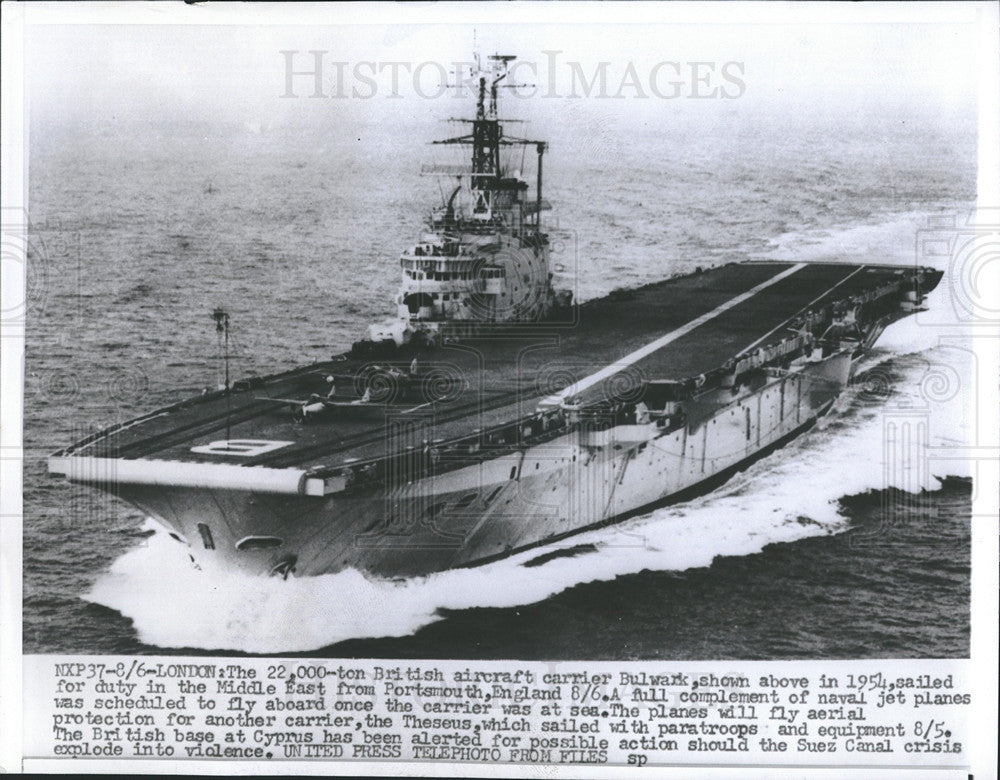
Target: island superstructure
(490,413)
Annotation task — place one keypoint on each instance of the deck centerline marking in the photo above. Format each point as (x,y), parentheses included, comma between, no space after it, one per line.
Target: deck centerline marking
(644,351)
(808,306)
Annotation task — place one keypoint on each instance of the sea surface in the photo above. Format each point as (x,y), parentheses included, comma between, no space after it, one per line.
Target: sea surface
(853,541)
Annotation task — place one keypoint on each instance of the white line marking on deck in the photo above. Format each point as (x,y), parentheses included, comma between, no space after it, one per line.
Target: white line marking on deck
(578,387)
(804,309)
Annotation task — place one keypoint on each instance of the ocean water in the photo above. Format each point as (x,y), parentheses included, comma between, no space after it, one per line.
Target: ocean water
(853,541)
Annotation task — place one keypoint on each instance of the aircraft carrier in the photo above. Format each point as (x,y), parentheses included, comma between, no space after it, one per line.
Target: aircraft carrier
(491,413)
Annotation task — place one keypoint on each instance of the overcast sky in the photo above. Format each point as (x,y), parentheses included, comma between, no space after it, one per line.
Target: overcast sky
(237,73)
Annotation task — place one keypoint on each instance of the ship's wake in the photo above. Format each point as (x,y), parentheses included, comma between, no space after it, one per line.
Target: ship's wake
(901,425)
(792,494)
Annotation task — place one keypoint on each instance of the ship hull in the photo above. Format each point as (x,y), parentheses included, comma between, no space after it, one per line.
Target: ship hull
(404,461)
(590,477)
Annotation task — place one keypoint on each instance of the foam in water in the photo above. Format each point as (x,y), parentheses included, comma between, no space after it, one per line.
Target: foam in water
(892,241)
(892,429)
(770,502)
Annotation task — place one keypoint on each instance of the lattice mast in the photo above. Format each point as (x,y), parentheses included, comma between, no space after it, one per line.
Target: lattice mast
(486,177)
